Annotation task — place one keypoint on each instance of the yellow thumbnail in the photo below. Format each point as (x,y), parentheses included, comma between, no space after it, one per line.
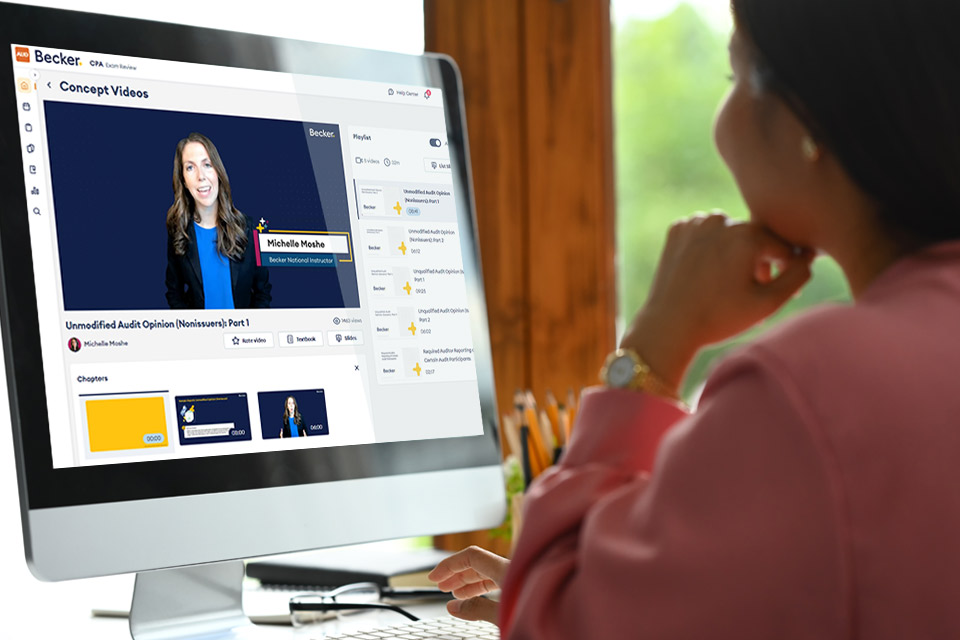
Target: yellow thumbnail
(117,424)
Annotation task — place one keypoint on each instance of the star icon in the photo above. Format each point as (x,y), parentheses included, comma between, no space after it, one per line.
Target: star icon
(236,340)
(397,207)
(418,369)
(262,221)
(260,227)
(412,329)
(407,288)
(403,248)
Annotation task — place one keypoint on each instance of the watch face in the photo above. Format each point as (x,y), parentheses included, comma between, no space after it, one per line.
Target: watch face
(620,371)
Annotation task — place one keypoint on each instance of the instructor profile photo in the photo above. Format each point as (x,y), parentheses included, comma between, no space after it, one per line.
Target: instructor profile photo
(211,262)
(74,344)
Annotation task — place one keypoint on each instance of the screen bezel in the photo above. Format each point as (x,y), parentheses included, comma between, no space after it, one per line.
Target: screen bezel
(43,486)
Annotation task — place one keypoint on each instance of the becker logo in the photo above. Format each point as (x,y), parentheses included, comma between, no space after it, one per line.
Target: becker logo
(56,58)
(23,54)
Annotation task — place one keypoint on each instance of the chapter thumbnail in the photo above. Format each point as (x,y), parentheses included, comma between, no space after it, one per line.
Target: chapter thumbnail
(293,414)
(204,419)
(125,423)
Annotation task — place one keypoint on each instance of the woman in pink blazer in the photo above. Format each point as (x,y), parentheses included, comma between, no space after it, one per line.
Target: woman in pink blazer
(815,491)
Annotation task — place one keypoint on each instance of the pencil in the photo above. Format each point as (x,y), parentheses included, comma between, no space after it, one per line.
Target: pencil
(553,410)
(546,427)
(511,435)
(518,404)
(571,410)
(526,458)
(548,432)
(565,426)
(530,411)
(539,447)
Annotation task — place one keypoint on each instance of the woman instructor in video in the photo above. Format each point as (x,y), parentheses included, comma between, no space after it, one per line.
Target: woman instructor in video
(292,420)
(210,256)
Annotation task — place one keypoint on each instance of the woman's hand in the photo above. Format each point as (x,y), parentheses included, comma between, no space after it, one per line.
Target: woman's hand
(469,574)
(716,278)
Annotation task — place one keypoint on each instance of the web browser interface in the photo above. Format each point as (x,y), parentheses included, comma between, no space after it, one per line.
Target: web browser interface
(232,261)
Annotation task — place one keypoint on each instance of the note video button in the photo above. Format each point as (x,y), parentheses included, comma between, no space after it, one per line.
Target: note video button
(248,340)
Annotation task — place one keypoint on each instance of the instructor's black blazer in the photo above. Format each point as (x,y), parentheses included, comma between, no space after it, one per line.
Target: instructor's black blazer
(285,429)
(251,284)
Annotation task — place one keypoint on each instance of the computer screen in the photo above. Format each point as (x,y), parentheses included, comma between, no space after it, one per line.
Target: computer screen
(344,307)
(242,304)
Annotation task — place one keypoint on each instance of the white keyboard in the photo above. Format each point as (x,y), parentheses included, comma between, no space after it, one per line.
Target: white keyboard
(435,629)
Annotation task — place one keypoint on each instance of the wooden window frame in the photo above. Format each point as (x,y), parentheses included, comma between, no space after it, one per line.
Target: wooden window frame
(537,87)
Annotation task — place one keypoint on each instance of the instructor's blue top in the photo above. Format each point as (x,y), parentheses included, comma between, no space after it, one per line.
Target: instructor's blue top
(294,432)
(217,289)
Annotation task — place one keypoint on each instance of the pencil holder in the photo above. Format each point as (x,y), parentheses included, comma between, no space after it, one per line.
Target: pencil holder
(516,517)
(514,487)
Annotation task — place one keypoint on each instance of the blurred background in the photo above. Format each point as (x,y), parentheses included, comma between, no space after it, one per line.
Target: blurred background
(670,72)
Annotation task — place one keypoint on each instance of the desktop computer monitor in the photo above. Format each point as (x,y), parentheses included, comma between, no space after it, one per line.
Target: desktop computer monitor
(242,307)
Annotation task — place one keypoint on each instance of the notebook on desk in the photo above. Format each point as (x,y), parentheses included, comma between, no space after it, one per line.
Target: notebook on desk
(334,567)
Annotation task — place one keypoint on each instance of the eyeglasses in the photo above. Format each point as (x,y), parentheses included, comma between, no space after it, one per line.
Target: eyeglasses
(310,608)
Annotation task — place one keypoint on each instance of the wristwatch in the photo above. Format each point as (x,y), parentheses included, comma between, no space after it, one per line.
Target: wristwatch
(625,369)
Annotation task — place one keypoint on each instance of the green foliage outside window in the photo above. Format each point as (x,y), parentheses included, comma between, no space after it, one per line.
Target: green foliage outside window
(670,75)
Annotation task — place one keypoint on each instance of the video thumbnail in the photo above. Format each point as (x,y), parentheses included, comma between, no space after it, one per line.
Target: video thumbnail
(293,414)
(203,419)
(255,217)
(125,423)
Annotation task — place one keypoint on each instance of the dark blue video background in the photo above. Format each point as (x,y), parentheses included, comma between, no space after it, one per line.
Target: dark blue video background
(311,403)
(199,414)
(112,170)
